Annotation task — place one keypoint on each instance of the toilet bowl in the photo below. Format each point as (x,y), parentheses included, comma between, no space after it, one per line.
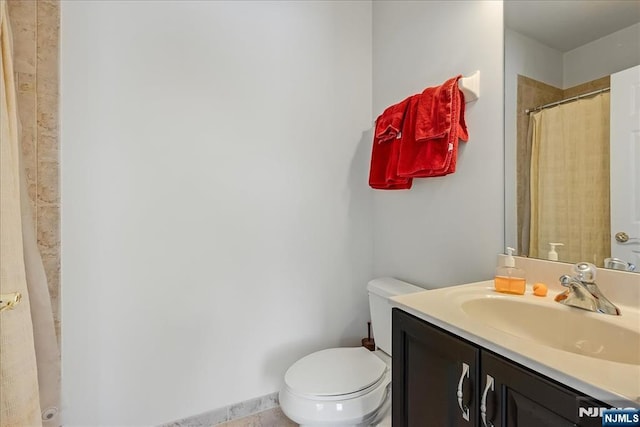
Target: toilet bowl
(349,386)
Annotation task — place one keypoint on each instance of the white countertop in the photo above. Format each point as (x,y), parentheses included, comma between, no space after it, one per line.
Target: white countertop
(608,381)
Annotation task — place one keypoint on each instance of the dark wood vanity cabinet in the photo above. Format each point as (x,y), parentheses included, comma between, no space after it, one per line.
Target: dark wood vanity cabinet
(440,380)
(435,376)
(523,398)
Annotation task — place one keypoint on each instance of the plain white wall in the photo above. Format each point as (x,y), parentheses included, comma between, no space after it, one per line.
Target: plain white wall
(524,55)
(445,230)
(602,57)
(530,58)
(216,222)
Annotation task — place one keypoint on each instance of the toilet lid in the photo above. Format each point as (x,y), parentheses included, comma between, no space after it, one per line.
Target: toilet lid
(335,372)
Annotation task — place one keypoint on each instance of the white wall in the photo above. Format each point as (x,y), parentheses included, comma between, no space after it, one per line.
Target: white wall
(216,222)
(530,58)
(602,57)
(444,230)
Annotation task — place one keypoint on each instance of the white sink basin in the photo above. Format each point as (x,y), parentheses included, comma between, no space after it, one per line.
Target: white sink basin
(564,328)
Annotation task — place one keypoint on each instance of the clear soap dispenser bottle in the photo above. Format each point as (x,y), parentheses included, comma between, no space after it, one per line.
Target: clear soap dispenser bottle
(508,278)
(553,254)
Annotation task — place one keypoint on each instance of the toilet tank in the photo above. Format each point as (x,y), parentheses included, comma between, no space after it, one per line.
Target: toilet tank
(380,290)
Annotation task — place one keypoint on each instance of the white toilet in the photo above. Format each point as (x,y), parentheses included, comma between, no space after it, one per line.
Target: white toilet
(348,386)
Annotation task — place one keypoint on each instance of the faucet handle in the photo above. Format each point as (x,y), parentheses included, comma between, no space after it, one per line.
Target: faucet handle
(565,280)
(585,272)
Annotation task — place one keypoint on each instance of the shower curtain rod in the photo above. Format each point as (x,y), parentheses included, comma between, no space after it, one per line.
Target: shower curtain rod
(562,101)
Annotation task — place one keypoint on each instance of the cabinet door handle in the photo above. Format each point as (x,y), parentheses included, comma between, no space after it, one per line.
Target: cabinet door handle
(483,403)
(464,408)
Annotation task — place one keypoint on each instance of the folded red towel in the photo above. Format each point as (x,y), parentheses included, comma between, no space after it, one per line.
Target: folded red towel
(430,139)
(387,139)
(434,113)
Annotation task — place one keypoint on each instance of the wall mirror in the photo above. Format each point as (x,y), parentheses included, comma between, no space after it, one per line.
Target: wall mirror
(572,155)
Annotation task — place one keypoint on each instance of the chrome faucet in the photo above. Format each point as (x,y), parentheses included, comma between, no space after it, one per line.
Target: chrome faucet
(583,292)
(618,264)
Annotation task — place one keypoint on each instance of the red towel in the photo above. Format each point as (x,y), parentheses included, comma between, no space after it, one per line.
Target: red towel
(386,149)
(430,146)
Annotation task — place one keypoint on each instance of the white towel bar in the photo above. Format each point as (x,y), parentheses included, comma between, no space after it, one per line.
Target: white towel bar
(470,86)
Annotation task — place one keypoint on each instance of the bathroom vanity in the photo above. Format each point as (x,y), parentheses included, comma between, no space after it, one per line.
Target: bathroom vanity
(468,356)
(440,379)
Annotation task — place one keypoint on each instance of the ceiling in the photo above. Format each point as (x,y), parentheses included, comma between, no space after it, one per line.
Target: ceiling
(567,24)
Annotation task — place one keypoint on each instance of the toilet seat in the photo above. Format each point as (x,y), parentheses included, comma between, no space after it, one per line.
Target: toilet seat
(335,373)
(359,398)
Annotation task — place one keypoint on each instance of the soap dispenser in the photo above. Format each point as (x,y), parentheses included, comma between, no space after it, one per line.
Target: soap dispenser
(553,255)
(508,278)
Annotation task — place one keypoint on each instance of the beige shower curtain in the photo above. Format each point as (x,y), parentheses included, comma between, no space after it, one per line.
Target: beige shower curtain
(570,180)
(29,354)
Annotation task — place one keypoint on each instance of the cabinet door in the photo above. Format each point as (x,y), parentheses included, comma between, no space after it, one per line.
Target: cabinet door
(434,375)
(522,398)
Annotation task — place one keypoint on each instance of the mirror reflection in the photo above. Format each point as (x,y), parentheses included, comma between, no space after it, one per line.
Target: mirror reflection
(572,145)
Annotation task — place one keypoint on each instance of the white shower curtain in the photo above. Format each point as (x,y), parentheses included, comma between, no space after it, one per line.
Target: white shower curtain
(29,354)
(570,180)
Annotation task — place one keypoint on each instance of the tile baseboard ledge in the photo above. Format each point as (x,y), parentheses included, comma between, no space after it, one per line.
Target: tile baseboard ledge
(269,418)
(230,413)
